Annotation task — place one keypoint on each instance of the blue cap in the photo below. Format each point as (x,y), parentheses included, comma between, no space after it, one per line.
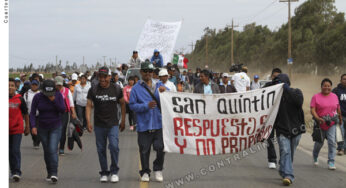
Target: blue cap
(256,76)
(35,82)
(63,73)
(16,79)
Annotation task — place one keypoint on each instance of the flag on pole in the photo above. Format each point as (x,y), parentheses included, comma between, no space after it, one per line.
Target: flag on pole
(180,60)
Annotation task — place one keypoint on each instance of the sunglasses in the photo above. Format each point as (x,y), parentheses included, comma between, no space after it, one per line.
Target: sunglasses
(147,70)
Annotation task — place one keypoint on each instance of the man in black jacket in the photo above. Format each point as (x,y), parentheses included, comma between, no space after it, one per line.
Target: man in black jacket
(206,85)
(289,126)
(271,153)
(340,91)
(226,86)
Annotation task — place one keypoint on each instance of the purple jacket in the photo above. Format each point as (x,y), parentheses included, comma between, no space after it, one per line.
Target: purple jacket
(49,111)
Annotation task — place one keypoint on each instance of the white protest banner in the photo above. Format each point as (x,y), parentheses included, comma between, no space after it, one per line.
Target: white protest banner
(158,35)
(200,124)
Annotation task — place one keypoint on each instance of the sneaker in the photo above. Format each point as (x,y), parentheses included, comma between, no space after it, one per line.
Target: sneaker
(36,146)
(54,179)
(114,178)
(331,166)
(61,152)
(315,161)
(16,177)
(48,178)
(286,181)
(158,176)
(340,152)
(145,177)
(103,179)
(271,165)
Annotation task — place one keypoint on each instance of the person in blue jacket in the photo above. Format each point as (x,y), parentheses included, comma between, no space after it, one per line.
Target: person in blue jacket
(157,59)
(145,103)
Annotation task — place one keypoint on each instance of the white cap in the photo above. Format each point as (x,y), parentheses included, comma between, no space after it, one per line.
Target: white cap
(81,74)
(163,72)
(74,76)
(118,65)
(89,77)
(41,76)
(225,75)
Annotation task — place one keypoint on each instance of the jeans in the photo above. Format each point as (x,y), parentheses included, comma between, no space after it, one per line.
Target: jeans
(50,141)
(35,138)
(342,145)
(65,118)
(132,116)
(80,110)
(145,140)
(101,135)
(287,148)
(14,153)
(330,134)
(271,149)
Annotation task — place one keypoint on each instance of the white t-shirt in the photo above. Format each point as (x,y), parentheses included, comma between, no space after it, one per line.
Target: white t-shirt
(170,85)
(255,85)
(241,81)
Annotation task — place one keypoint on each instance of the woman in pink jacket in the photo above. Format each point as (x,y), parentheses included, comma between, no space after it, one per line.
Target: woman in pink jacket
(126,92)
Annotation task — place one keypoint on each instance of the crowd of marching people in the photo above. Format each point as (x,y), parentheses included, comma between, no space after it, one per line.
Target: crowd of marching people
(59,109)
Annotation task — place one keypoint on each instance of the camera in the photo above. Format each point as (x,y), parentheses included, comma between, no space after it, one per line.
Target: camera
(236,68)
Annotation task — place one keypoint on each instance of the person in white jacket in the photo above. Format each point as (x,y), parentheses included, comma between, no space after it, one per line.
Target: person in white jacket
(28,97)
(80,98)
(163,75)
(135,61)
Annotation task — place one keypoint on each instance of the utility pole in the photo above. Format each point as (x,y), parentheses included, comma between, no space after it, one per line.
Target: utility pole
(289,58)
(192,46)
(104,59)
(232,49)
(56,63)
(206,49)
(83,60)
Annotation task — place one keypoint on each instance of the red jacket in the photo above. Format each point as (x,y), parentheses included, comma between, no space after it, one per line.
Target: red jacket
(15,115)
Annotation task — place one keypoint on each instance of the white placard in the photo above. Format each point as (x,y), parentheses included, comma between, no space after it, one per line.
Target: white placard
(158,35)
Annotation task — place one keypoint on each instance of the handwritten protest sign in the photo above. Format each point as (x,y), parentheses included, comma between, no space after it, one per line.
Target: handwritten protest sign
(158,35)
(200,124)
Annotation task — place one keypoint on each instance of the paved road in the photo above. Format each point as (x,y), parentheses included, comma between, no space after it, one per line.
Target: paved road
(80,168)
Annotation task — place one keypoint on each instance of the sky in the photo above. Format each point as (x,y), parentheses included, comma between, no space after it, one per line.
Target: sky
(40,30)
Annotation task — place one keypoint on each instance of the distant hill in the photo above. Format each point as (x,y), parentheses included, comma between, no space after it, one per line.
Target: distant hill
(318,43)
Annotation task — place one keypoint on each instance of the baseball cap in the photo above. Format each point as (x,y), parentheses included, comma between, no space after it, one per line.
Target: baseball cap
(163,72)
(74,76)
(225,75)
(63,73)
(256,76)
(147,65)
(135,51)
(41,75)
(105,71)
(59,80)
(16,79)
(118,65)
(35,82)
(171,68)
(48,88)
(81,74)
